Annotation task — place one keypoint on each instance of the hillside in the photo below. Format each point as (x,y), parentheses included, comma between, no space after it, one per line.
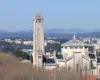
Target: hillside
(12,69)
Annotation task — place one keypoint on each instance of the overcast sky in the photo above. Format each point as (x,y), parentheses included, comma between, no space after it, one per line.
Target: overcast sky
(16,15)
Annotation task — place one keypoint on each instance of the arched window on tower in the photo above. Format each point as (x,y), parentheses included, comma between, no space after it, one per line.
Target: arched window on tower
(38,38)
(77,68)
(38,21)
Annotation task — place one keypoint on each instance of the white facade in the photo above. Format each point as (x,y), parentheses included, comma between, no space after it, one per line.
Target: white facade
(68,50)
(28,42)
(98,69)
(61,63)
(76,55)
(17,41)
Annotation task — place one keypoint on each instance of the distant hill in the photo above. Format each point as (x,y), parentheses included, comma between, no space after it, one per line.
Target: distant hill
(2,31)
(51,32)
(69,31)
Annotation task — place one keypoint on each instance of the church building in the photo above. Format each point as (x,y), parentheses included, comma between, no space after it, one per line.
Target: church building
(74,54)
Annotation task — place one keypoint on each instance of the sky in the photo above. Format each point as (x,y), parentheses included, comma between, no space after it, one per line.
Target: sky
(17,15)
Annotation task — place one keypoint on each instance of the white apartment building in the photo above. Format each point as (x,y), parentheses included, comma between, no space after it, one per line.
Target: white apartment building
(28,42)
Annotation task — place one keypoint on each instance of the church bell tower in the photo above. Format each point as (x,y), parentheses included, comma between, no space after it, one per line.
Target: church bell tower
(38,40)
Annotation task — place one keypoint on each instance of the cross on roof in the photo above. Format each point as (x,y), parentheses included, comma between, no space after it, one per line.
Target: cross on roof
(74,37)
(37,10)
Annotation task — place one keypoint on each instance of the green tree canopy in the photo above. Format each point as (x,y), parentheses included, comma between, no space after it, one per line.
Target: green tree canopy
(21,54)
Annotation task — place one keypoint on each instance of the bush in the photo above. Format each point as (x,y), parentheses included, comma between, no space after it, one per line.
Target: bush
(98,54)
(6,58)
(21,54)
(13,69)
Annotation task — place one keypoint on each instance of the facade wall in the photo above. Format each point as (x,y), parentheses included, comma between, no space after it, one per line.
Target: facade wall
(98,70)
(77,61)
(69,64)
(86,52)
(86,64)
(68,51)
(61,64)
(94,71)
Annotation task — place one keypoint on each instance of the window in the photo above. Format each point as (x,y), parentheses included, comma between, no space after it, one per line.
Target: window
(76,47)
(71,47)
(38,40)
(81,47)
(39,56)
(77,67)
(38,21)
(85,47)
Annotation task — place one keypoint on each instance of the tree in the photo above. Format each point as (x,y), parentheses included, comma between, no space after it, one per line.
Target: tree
(31,58)
(97,54)
(53,46)
(21,54)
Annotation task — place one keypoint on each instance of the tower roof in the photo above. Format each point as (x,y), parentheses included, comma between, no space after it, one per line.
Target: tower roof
(38,15)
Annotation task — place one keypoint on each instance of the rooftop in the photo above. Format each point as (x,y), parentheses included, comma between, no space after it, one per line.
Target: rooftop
(74,42)
(38,15)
